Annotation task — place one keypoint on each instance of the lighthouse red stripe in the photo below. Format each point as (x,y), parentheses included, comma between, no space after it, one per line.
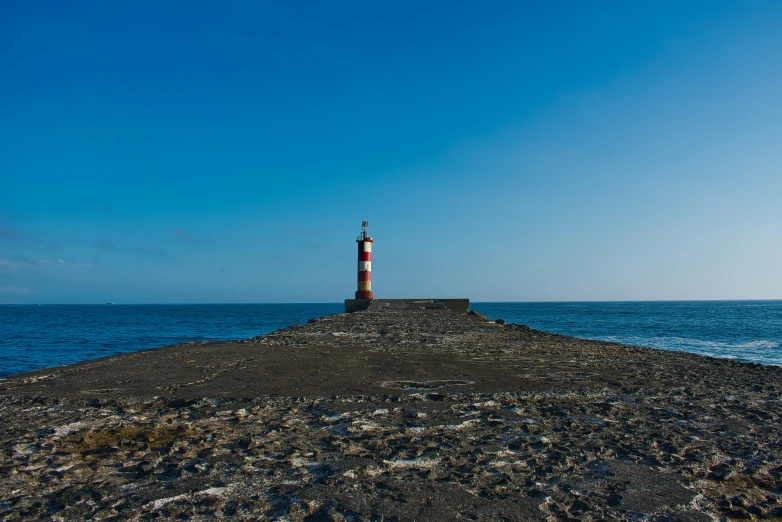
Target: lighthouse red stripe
(365,276)
(365,256)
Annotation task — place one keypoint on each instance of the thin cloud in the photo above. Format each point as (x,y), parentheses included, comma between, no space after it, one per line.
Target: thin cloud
(184,235)
(11,235)
(20,262)
(97,205)
(17,290)
(63,263)
(152,252)
(105,244)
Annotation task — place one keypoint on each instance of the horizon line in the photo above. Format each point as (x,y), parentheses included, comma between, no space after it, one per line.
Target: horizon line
(342,301)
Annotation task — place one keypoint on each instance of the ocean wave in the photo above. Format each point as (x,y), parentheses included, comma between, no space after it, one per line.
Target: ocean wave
(770,345)
(672,340)
(762,351)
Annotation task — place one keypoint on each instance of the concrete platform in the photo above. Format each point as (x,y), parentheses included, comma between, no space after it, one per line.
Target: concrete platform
(457,305)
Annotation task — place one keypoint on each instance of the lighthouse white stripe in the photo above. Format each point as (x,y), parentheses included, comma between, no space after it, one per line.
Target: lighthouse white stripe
(367,246)
(365,266)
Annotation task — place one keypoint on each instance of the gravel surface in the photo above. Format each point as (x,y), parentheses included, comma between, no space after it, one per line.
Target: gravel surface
(395,415)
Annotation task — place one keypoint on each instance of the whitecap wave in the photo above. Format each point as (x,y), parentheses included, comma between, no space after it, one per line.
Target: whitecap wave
(768,345)
(762,351)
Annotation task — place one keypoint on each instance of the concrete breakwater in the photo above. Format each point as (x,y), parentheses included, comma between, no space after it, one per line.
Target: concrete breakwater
(394,415)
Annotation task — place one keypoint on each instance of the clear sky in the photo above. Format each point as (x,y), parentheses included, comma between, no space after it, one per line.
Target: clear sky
(204,152)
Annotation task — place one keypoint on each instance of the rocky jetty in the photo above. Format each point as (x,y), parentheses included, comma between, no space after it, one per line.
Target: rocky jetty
(394,415)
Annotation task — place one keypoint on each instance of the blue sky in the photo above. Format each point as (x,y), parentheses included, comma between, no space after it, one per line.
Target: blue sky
(503,151)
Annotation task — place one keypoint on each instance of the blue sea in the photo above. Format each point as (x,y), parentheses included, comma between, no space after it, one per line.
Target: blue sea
(40,336)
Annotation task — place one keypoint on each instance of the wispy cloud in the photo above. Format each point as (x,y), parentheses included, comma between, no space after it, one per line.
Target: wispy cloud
(12,235)
(105,244)
(22,262)
(152,252)
(184,235)
(16,263)
(64,263)
(17,290)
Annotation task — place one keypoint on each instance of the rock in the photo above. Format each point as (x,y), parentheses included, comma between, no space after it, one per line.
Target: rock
(413,415)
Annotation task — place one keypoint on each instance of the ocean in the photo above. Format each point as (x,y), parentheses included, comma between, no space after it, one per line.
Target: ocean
(41,336)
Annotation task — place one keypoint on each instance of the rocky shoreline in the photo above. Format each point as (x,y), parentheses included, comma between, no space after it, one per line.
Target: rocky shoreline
(394,415)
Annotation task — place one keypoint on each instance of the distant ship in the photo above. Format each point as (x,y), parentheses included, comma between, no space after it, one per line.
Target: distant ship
(109,303)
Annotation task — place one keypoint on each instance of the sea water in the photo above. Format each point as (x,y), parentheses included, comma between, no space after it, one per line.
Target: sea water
(749,331)
(40,336)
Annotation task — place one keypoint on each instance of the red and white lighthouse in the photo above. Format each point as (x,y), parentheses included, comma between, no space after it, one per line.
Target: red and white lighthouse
(364,264)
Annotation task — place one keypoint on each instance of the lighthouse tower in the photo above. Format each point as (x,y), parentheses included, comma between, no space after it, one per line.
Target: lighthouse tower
(364,264)
(365,299)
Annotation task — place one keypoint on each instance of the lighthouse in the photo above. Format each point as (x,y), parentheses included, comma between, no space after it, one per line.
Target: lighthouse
(365,299)
(364,264)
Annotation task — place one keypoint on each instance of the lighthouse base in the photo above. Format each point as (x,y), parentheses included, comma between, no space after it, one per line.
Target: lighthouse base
(355,305)
(457,305)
